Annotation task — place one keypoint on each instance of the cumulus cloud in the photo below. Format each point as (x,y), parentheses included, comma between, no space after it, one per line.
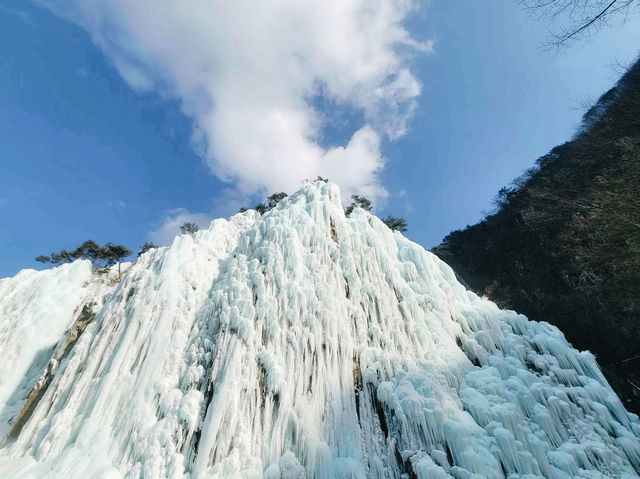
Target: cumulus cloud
(170,225)
(248,74)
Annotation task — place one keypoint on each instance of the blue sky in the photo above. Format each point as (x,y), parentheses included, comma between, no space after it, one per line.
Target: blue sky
(94,148)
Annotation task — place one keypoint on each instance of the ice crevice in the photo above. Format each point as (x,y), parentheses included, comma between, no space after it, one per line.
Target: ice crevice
(302,343)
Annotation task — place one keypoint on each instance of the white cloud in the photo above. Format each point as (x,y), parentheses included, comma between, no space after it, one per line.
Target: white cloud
(170,225)
(247,73)
(116,204)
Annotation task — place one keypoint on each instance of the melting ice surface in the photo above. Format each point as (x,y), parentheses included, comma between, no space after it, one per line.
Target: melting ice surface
(299,344)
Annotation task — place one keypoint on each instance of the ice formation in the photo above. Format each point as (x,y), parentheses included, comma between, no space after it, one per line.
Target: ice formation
(37,310)
(297,344)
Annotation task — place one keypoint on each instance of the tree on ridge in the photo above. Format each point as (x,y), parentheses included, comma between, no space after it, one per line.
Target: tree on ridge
(189,228)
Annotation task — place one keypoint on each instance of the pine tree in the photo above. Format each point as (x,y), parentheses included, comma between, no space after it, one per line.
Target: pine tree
(189,228)
(113,253)
(395,224)
(274,199)
(146,247)
(358,201)
(272,202)
(88,250)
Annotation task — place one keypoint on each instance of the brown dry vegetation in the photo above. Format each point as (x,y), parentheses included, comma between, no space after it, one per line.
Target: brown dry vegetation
(564,243)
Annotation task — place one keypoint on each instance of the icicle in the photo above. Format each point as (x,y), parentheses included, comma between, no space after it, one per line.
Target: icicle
(300,343)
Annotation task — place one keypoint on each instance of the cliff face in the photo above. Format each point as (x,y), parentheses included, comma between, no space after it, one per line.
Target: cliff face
(564,243)
(302,343)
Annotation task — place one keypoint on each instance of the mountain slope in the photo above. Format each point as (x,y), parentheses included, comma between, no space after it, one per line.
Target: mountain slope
(564,244)
(302,343)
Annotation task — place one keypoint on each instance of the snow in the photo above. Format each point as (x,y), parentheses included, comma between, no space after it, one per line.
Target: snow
(36,309)
(303,344)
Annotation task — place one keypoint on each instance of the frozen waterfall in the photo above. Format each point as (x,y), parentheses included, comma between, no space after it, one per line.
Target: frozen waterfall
(297,344)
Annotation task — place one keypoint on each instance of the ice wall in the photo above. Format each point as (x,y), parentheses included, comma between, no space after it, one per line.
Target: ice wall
(35,309)
(306,344)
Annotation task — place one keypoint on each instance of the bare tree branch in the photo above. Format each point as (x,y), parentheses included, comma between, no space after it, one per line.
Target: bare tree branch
(571,19)
(588,24)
